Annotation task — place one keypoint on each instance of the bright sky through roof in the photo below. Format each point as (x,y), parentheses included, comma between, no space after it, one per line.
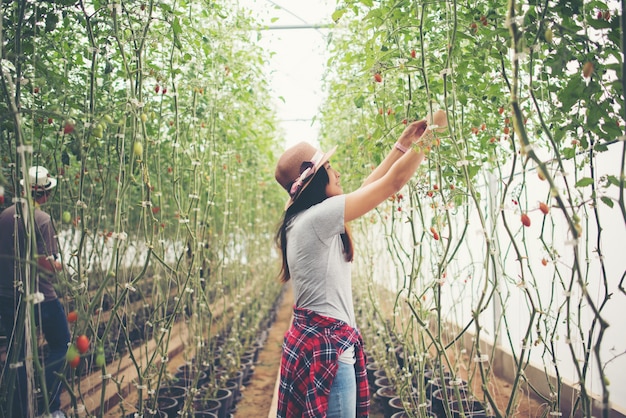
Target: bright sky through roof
(296,68)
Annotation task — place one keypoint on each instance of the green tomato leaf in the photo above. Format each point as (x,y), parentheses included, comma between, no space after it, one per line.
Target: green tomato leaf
(607,201)
(571,93)
(584,182)
(359,101)
(613,180)
(569,153)
(600,147)
(612,130)
(594,114)
(176,26)
(337,14)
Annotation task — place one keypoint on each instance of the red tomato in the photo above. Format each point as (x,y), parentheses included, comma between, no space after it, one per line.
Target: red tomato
(68,128)
(75,362)
(72,317)
(82,343)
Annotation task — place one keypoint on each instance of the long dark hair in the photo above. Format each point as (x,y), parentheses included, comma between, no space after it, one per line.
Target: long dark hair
(314,193)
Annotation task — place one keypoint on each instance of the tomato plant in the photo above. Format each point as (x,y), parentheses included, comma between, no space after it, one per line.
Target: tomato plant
(156,119)
(534,99)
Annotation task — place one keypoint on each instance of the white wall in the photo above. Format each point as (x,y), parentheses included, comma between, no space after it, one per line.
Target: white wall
(548,285)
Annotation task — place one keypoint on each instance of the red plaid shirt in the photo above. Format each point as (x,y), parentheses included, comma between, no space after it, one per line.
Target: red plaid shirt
(308,367)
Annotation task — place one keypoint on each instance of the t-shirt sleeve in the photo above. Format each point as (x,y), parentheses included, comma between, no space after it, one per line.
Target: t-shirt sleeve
(328,217)
(47,243)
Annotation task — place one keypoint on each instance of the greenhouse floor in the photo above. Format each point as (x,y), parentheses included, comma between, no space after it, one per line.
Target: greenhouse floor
(259,396)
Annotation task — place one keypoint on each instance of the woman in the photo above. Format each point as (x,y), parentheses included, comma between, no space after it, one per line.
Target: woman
(323,366)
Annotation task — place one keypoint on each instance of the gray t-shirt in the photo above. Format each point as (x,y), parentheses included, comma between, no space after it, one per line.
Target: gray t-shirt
(320,273)
(46,245)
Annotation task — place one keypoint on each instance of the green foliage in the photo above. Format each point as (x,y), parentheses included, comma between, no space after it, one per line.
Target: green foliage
(154,116)
(527,86)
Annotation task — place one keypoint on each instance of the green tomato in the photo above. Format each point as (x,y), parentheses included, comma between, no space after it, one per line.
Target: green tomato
(138,148)
(100,361)
(67,217)
(71,353)
(98,131)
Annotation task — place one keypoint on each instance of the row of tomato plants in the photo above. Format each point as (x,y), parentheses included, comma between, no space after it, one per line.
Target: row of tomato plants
(155,119)
(508,232)
(209,335)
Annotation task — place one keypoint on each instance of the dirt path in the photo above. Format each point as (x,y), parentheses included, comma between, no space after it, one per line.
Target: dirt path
(258,395)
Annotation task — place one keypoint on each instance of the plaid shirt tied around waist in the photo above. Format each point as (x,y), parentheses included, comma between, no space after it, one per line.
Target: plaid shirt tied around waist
(309,364)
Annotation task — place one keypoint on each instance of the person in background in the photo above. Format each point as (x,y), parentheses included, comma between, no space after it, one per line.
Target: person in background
(323,365)
(49,313)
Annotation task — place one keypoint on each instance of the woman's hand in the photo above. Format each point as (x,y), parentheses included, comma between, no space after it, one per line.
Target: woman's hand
(411,135)
(413,132)
(438,122)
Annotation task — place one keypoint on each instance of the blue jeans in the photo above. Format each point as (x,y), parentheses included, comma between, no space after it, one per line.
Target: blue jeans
(50,317)
(342,398)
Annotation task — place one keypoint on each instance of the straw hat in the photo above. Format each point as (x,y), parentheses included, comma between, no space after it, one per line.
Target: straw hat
(297,166)
(40,179)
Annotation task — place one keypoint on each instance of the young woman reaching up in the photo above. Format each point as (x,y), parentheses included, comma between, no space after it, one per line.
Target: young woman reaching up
(323,366)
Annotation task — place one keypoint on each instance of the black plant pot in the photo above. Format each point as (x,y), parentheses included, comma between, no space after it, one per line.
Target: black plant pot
(204,415)
(394,406)
(157,414)
(431,374)
(371,370)
(212,406)
(257,346)
(173,391)
(187,374)
(384,395)
(405,414)
(415,404)
(468,408)
(250,353)
(382,382)
(234,383)
(380,373)
(452,394)
(399,352)
(234,387)
(225,398)
(167,405)
(238,376)
(247,367)
(437,382)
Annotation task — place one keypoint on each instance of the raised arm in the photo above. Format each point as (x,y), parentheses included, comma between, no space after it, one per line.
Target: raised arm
(437,120)
(395,171)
